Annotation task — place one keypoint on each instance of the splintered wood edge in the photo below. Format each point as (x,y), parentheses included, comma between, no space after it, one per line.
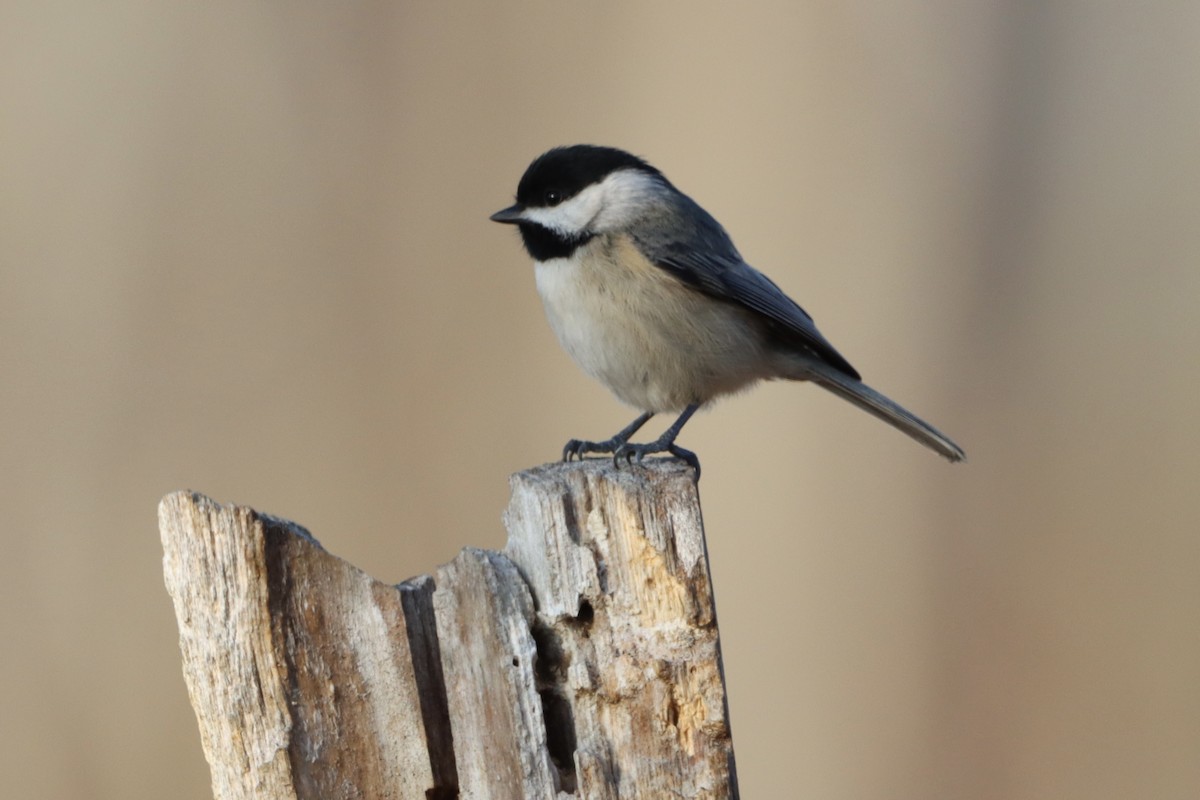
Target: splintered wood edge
(629,655)
(214,567)
(302,669)
(466,682)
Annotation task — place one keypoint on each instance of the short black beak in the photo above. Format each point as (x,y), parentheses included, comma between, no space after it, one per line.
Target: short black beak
(510,215)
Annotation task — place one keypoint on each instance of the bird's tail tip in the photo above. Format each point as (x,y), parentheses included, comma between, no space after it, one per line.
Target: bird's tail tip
(889,411)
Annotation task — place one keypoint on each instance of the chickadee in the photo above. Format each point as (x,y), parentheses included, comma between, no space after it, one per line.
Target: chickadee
(647,293)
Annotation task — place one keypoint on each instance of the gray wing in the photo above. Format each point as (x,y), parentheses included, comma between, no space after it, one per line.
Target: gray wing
(692,246)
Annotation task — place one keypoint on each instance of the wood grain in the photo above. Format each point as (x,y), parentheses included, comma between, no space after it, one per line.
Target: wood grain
(583,661)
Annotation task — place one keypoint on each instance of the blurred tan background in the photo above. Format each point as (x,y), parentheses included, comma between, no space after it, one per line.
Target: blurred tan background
(245,250)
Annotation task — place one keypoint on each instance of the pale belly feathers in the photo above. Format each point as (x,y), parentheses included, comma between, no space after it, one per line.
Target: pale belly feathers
(657,344)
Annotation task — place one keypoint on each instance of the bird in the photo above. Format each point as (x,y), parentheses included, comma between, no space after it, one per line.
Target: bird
(649,296)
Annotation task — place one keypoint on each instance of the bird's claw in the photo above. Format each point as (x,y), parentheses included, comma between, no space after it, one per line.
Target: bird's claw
(688,457)
(629,452)
(578,448)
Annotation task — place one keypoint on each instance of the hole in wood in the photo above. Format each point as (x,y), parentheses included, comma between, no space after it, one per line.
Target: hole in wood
(586,613)
(560,737)
(550,673)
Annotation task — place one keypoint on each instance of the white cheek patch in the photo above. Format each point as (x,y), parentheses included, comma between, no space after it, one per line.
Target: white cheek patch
(626,195)
(601,207)
(570,217)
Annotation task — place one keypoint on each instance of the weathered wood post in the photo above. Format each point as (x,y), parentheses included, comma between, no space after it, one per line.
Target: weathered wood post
(582,661)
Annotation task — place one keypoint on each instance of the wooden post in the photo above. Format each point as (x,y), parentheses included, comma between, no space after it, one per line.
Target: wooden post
(582,661)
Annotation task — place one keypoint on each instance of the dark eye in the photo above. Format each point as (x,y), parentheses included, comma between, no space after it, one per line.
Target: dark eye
(553,197)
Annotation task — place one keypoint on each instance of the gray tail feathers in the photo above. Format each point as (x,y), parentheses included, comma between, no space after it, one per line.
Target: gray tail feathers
(873,402)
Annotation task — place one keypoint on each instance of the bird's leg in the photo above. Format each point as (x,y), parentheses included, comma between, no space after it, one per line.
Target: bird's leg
(663,444)
(576,448)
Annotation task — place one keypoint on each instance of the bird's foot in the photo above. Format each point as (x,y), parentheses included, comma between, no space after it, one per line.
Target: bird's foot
(578,448)
(620,447)
(632,452)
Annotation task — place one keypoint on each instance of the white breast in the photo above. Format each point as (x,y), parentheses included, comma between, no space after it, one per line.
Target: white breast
(655,343)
